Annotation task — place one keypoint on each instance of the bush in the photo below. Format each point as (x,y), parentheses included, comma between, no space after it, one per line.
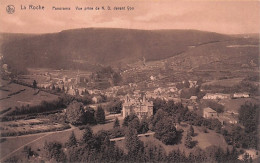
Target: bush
(75,113)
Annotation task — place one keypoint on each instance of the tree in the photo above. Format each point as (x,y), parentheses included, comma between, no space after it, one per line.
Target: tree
(116,78)
(188,141)
(248,116)
(191,131)
(166,132)
(154,153)
(53,150)
(75,113)
(216,106)
(72,142)
(28,151)
(100,115)
(34,84)
(90,116)
(115,106)
(116,123)
(158,104)
(88,139)
(177,156)
(144,126)
(160,114)
(186,84)
(128,119)
(132,142)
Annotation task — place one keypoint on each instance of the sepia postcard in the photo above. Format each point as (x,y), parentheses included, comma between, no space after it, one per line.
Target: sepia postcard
(129,81)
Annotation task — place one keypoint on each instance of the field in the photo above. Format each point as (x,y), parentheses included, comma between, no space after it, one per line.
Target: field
(18,95)
(224,82)
(24,127)
(42,75)
(233,105)
(15,145)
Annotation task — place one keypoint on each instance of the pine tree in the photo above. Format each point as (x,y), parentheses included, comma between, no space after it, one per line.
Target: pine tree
(116,123)
(88,139)
(132,142)
(87,135)
(188,141)
(100,115)
(191,131)
(34,84)
(72,142)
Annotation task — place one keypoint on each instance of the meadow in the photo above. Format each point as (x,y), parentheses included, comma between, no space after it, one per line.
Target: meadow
(13,95)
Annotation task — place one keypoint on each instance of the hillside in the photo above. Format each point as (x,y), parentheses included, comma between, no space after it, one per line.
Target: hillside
(81,48)
(233,58)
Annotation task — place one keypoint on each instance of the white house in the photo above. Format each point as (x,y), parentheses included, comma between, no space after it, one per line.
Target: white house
(209,113)
(241,95)
(215,96)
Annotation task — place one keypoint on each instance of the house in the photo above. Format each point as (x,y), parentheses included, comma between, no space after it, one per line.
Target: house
(96,99)
(73,92)
(251,152)
(190,107)
(228,118)
(241,95)
(193,98)
(215,96)
(140,107)
(153,78)
(192,83)
(209,113)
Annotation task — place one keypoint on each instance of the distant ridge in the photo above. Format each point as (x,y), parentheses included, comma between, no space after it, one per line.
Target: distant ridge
(106,46)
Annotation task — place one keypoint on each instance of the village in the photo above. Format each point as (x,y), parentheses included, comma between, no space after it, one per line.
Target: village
(134,97)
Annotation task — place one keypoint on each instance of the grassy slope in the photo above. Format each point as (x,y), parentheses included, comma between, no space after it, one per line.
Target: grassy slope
(204,140)
(23,98)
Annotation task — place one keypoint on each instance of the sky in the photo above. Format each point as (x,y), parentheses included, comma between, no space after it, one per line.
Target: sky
(228,17)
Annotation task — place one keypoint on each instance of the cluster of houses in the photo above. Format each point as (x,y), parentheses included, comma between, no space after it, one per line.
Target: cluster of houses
(67,84)
(169,93)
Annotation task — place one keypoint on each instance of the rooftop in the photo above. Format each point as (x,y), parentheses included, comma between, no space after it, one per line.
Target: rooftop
(208,109)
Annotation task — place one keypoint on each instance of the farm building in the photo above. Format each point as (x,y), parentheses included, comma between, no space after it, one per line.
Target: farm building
(215,96)
(140,107)
(209,113)
(241,95)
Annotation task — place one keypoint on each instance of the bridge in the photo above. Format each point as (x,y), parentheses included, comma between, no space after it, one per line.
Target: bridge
(139,135)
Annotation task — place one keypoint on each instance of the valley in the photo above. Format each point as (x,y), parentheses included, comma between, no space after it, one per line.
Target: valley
(105,83)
